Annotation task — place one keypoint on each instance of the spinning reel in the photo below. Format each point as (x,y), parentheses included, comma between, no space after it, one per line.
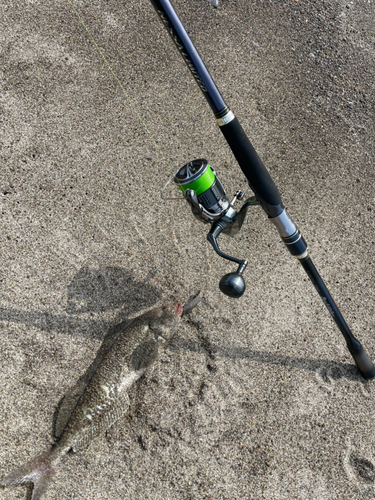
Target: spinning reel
(209,204)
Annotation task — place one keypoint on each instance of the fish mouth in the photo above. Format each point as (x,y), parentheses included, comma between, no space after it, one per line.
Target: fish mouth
(179,309)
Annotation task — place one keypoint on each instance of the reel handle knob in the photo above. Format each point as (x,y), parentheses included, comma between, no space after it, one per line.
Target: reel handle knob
(233,285)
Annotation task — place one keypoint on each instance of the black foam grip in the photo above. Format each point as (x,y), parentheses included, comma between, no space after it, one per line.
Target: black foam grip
(251,165)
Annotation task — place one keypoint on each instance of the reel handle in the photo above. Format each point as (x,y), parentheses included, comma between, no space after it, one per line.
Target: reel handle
(231,284)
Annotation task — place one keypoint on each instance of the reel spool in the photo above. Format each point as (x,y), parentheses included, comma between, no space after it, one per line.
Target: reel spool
(209,203)
(202,189)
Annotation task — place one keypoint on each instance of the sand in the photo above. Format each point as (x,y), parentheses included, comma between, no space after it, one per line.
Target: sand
(256,398)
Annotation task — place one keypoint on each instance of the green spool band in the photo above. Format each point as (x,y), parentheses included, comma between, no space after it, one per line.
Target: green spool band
(201,184)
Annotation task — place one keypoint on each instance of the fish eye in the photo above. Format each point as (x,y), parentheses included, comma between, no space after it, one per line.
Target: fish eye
(165,309)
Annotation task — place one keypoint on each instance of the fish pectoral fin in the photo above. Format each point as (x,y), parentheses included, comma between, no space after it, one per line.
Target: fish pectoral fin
(144,355)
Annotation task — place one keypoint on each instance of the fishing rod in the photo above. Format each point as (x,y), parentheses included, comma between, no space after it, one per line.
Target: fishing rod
(208,200)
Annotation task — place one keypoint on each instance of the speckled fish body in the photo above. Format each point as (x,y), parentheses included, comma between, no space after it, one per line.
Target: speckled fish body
(105,398)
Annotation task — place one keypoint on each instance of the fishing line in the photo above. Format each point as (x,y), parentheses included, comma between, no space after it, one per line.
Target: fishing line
(163,196)
(117,80)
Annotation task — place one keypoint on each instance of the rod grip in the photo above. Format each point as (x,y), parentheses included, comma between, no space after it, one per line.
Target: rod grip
(251,165)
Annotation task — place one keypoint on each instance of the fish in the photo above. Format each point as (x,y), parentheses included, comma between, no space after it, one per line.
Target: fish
(102,395)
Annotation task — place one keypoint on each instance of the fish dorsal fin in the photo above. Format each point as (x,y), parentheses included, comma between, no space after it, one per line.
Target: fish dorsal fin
(70,400)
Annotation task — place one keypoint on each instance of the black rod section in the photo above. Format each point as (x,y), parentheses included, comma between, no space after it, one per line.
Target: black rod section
(190,55)
(360,356)
(251,165)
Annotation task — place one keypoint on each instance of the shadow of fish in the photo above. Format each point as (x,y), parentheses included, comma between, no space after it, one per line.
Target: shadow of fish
(104,398)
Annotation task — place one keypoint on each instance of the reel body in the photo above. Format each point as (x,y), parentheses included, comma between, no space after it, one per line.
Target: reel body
(210,204)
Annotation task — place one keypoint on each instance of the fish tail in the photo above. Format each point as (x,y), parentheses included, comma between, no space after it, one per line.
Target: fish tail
(38,471)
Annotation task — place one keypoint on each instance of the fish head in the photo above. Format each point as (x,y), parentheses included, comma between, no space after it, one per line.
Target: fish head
(166,319)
